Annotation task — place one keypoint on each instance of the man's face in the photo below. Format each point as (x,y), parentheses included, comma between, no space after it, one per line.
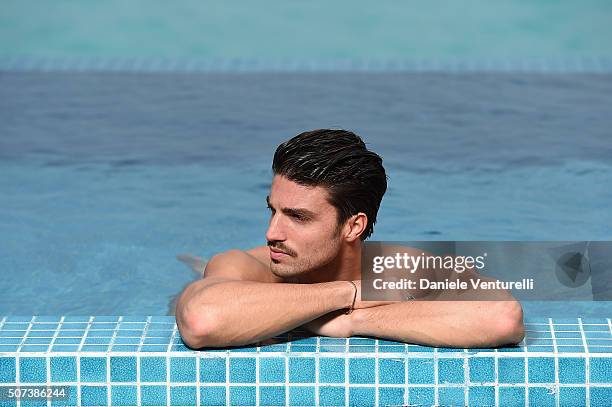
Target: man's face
(303,225)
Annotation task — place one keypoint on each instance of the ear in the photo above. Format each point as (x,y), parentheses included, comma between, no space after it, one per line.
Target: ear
(355,226)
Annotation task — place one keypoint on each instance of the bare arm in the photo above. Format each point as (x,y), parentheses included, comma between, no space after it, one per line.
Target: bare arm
(458,323)
(226,309)
(456,318)
(464,324)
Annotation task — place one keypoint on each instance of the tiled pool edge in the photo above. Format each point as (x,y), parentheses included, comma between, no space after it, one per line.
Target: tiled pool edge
(142,361)
(594,64)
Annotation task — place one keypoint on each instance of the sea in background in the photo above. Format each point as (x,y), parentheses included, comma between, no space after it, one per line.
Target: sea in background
(107,176)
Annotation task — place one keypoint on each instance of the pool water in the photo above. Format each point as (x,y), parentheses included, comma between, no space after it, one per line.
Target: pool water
(106,177)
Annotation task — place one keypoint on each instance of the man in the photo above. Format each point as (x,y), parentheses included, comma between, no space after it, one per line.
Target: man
(325,194)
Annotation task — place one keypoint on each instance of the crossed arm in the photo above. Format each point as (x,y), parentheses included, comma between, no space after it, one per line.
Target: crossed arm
(218,311)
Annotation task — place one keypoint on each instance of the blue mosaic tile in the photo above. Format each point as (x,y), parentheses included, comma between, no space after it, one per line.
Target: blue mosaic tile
(153,395)
(301,370)
(19,318)
(332,348)
(571,335)
(65,348)
(421,371)
(242,396)
(451,396)
(212,370)
(541,396)
(93,369)
(212,396)
(600,369)
(74,341)
(511,396)
(73,334)
(93,396)
(599,350)
(331,396)
(99,333)
(32,370)
(106,318)
(8,369)
(482,369)
(125,333)
(123,369)
(242,370)
(541,349)
(331,370)
(70,400)
(601,396)
(391,349)
(362,396)
(273,348)
(450,370)
(421,396)
(572,396)
(571,370)
(390,396)
(127,341)
(511,370)
(97,341)
(48,318)
(362,370)
(481,396)
(271,370)
(94,348)
(595,327)
(301,396)
(183,396)
(183,369)
(15,326)
(415,348)
(391,371)
(151,348)
(67,325)
(9,348)
(34,403)
(272,395)
(124,395)
(63,369)
(303,348)
(152,369)
(12,334)
(41,334)
(541,369)
(34,348)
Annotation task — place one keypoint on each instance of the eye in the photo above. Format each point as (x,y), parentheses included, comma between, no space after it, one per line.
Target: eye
(300,218)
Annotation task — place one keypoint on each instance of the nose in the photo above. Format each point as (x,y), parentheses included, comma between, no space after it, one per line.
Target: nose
(275,230)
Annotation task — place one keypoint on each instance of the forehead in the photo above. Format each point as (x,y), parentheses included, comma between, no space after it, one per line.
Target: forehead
(289,194)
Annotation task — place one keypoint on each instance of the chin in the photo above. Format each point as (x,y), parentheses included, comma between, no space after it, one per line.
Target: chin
(282,270)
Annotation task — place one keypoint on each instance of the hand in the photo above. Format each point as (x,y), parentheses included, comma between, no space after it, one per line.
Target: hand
(336,324)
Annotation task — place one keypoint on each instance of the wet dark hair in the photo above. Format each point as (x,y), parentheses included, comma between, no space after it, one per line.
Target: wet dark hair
(338,160)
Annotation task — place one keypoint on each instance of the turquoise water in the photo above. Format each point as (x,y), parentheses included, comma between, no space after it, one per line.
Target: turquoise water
(514,30)
(108,176)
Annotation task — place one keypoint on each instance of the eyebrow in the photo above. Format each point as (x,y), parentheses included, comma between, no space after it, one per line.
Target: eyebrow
(294,211)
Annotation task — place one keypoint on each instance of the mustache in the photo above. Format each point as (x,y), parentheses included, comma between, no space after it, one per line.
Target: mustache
(281,247)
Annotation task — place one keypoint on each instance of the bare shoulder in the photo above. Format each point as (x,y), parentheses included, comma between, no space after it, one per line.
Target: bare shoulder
(238,264)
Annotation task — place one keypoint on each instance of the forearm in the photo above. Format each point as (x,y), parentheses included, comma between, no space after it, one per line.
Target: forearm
(443,323)
(234,313)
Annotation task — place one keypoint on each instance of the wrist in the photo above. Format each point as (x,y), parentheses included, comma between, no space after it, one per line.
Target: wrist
(344,294)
